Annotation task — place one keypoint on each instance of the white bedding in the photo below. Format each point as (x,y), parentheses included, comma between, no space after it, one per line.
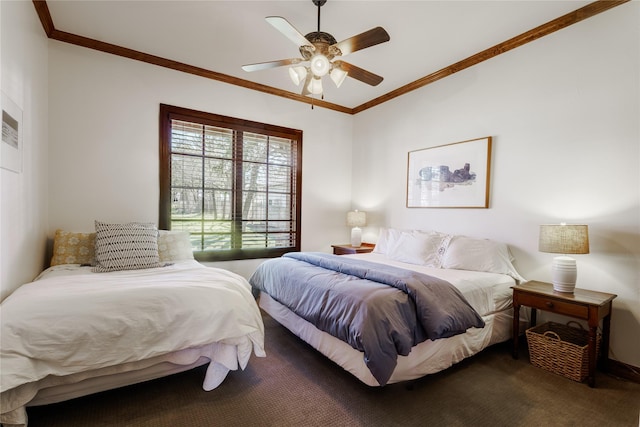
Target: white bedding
(71,320)
(486,292)
(490,295)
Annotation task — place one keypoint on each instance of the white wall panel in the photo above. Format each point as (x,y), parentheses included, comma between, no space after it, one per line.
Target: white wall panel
(563,113)
(104,143)
(23,208)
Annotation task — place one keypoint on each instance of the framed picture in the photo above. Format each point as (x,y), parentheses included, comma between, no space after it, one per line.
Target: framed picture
(12,132)
(450,176)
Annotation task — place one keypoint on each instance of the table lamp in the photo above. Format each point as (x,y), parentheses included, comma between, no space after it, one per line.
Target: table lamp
(564,239)
(356,219)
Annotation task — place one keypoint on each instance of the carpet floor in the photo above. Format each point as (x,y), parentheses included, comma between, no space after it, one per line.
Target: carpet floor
(297,386)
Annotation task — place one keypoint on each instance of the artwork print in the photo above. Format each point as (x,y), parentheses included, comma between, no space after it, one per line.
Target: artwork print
(450,176)
(12,132)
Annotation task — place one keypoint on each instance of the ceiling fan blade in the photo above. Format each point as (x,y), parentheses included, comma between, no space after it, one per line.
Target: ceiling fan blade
(271,64)
(359,74)
(289,31)
(363,40)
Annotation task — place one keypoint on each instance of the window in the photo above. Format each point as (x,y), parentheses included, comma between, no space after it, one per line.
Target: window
(234,185)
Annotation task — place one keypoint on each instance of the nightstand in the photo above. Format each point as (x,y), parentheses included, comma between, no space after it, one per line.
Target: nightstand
(581,304)
(348,249)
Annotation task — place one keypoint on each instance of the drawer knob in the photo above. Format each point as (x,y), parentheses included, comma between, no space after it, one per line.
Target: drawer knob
(549,304)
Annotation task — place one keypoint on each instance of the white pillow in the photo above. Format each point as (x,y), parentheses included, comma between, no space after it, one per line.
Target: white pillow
(386,239)
(419,247)
(439,244)
(466,253)
(129,246)
(174,245)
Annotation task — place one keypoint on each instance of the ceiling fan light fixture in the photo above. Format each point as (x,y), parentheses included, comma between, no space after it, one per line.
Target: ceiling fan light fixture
(338,75)
(298,74)
(315,86)
(320,65)
(320,49)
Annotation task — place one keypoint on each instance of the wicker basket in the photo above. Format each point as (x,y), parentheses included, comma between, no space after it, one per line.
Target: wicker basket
(561,349)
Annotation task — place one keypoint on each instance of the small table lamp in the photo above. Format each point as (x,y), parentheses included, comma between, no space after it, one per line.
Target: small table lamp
(564,239)
(356,219)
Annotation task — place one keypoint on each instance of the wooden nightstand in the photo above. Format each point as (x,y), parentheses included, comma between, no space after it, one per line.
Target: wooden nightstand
(582,304)
(348,249)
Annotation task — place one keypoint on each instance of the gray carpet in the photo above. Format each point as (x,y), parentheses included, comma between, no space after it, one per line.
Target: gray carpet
(297,386)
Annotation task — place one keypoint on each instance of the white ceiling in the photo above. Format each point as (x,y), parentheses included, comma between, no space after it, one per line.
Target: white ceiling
(221,36)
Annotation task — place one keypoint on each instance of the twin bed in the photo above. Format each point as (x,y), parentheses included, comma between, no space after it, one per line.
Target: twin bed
(419,303)
(74,331)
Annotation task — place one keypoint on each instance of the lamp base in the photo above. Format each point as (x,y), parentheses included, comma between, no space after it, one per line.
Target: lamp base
(356,237)
(564,274)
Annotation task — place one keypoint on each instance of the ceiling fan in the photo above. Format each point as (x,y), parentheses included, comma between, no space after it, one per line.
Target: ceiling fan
(323,53)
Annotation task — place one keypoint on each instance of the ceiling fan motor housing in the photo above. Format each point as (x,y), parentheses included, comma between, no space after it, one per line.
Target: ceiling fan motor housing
(323,43)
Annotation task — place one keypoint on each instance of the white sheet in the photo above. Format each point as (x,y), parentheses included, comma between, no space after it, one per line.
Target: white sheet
(71,320)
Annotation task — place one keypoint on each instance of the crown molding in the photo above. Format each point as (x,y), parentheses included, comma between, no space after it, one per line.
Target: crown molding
(552,26)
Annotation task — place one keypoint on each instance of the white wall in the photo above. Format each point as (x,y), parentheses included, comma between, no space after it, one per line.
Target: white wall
(23,210)
(563,113)
(104,120)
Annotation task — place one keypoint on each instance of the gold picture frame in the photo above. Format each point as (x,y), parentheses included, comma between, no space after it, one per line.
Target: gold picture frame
(454,175)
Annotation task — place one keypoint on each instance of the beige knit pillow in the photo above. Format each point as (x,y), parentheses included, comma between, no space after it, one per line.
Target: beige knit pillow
(73,248)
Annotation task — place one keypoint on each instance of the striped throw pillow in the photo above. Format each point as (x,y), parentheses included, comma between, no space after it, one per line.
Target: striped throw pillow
(129,246)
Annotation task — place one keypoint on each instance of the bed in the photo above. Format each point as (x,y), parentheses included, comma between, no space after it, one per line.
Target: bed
(77,330)
(367,312)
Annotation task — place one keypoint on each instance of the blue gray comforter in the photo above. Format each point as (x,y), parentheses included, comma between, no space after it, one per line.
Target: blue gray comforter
(380,310)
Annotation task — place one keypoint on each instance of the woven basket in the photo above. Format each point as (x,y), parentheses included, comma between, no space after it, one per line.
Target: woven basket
(561,349)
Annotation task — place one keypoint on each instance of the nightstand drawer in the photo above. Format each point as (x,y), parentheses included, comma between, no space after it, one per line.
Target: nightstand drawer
(554,305)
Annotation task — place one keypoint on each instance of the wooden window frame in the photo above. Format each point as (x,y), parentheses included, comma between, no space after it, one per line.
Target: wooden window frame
(169,113)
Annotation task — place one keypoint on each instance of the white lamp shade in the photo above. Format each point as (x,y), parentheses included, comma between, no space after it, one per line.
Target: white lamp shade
(320,65)
(315,86)
(338,75)
(356,218)
(298,74)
